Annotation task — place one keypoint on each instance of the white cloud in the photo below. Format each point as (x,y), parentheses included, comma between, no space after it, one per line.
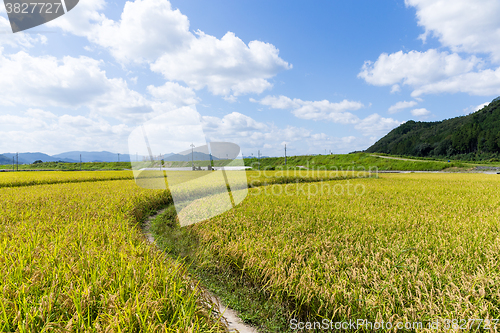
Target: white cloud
(249,133)
(376,125)
(373,125)
(480,106)
(432,72)
(481,83)
(38,130)
(401,105)
(68,82)
(226,66)
(174,93)
(150,31)
(232,123)
(422,113)
(19,39)
(315,110)
(147,29)
(252,135)
(39,113)
(462,25)
(280,102)
(81,20)
(415,68)
(395,88)
(473,108)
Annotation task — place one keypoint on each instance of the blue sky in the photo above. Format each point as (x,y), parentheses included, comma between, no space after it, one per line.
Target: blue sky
(322,75)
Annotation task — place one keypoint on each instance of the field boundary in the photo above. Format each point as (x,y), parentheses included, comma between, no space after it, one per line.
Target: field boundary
(228,316)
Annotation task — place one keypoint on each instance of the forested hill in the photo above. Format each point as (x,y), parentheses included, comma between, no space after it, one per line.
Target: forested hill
(472,137)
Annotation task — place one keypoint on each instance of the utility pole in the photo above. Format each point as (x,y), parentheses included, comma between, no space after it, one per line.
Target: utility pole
(13,163)
(17,161)
(118,157)
(258,158)
(285,154)
(80,162)
(192,155)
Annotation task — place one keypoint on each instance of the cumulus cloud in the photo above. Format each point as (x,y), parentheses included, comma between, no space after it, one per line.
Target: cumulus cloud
(401,105)
(232,123)
(462,25)
(421,113)
(249,133)
(373,125)
(40,130)
(432,72)
(315,110)
(83,20)
(252,135)
(472,108)
(376,125)
(415,68)
(20,39)
(151,32)
(481,83)
(147,29)
(67,82)
(174,93)
(226,66)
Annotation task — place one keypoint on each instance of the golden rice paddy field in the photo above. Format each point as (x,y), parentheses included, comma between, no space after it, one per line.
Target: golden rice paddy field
(405,247)
(411,247)
(72,257)
(73,260)
(12,179)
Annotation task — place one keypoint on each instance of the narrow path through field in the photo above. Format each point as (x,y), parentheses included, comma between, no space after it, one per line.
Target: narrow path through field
(400,158)
(234,323)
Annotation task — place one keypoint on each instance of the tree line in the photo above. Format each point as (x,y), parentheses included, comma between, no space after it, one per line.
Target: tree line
(472,137)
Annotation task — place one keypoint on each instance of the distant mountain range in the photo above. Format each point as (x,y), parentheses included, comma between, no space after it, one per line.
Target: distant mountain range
(28,158)
(5,160)
(102,156)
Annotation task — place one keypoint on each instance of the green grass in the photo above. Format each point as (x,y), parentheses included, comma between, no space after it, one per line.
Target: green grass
(356,161)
